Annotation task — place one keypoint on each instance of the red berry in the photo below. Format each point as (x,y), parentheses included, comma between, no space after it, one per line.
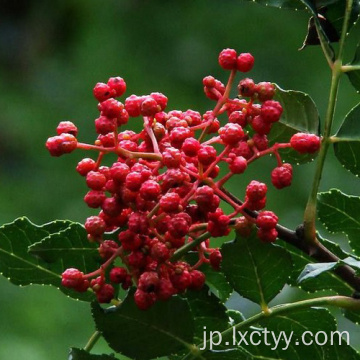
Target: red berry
(104,125)
(133,105)
(85,166)
(231,134)
(166,289)
(246,87)
(267,236)
(105,294)
(103,92)
(107,249)
(62,144)
(72,278)
(67,127)
(95,180)
(111,108)
(111,206)
(238,165)
(94,198)
(170,202)
(149,107)
(148,281)
(209,81)
(119,171)
(245,62)
(282,176)
(150,190)
(238,117)
(265,90)
(171,157)
(266,220)
(133,181)
(144,300)
(178,135)
(118,85)
(118,275)
(95,225)
(271,111)
(256,190)
(215,259)
(181,281)
(227,59)
(243,226)
(197,280)
(160,252)
(261,142)
(260,126)
(161,99)
(138,223)
(305,143)
(206,154)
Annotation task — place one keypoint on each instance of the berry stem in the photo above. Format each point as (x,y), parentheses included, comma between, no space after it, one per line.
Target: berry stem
(92,341)
(150,132)
(310,210)
(189,246)
(220,102)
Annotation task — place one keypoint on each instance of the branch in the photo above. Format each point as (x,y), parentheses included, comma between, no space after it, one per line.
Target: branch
(317,251)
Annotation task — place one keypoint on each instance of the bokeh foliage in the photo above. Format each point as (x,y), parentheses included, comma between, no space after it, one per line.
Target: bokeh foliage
(51,55)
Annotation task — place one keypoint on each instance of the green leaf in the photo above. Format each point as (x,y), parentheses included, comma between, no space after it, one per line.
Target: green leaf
(354,76)
(300,115)
(68,248)
(347,147)
(313,270)
(325,281)
(235,316)
(354,263)
(257,271)
(229,354)
(332,10)
(340,213)
(15,262)
(20,267)
(302,326)
(209,313)
(164,329)
(353,316)
(79,354)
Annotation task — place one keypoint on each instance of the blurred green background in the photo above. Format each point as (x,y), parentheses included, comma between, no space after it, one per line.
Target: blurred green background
(51,55)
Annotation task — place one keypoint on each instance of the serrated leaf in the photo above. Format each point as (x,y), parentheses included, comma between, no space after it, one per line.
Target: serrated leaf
(79,354)
(347,147)
(235,316)
(313,270)
(15,262)
(353,316)
(303,328)
(68,248)
(300,115)
(166,328)
(332,10)
(209,313)
(257,271)
(340,213)
(19,266)
(354,76)
(229,354)
(354,263)
(325,281)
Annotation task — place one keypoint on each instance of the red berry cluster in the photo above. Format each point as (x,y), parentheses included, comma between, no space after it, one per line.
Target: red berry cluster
(162,195)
